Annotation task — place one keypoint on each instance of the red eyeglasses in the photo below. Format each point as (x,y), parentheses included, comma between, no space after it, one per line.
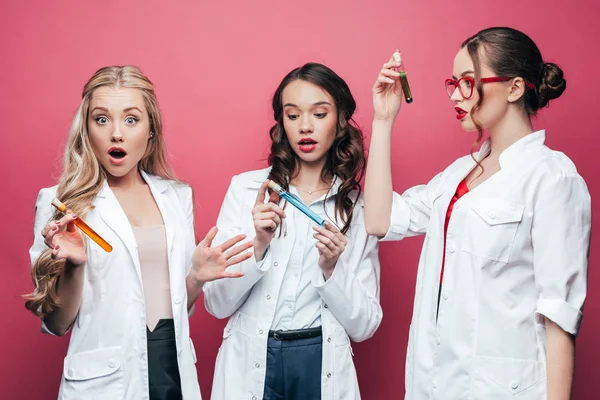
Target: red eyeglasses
(466,84)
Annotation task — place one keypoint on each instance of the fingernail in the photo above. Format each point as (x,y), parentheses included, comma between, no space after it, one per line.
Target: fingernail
(74,216)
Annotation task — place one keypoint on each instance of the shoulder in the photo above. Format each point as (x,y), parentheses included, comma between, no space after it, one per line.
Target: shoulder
(251,179)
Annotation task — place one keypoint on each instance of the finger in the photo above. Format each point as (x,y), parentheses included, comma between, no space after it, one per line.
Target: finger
(207,241)
(324,250)
(274,217)
(326,241)
(324,232)
(238,249)
(231,242)
(49,238)
(270,207)
(333,242)
(389,73)
(232,274)
(266,224)
(50,225)
(384,79)
(71,226)
(392,63)
(260,197)
(69,217)
(274,198)
(237,260)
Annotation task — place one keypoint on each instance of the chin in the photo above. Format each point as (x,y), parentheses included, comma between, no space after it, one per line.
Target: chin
(116,172)
(468,126)
(310,158)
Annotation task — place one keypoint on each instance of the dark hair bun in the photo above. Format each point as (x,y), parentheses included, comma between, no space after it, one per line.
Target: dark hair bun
(552,84)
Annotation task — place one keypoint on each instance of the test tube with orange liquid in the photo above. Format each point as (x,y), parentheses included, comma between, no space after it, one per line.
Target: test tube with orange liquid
(84,227)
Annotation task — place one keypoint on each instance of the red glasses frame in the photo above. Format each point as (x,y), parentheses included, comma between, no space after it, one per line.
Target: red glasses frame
(471,80)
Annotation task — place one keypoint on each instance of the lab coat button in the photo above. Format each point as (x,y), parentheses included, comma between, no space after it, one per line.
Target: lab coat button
(434,383)
(326,306)
(275,264)
(445,295)
(177,300)
(111,363)
(439,340)
(329,340)
(514,385)
(451,249)
(268,297)
(254,398)
(260,331)
(257,365)
(70,372)
(492,214)
(329,375)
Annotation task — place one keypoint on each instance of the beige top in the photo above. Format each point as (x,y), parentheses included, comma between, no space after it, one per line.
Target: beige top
(154,264)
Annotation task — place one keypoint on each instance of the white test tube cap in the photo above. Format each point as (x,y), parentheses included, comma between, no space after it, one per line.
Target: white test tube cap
(59,205)
(273,186)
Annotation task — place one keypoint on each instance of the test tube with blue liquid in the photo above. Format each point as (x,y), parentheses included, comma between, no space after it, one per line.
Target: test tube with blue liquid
(296,202)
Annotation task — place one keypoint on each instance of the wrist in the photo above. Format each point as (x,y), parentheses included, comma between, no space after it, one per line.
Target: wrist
(383,122)
(195,280)
(260,250)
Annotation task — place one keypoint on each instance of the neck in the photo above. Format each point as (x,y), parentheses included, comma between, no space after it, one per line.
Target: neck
(130,180)
(515,125)
(308,176)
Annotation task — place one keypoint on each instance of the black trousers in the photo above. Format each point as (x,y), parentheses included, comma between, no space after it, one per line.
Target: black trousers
(294,369)
(163,372)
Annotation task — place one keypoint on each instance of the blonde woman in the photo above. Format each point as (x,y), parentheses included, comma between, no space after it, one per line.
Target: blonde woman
(128,309)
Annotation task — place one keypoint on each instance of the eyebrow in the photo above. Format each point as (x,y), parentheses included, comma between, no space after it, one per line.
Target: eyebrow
(464,73)
(125,110)
(319,103)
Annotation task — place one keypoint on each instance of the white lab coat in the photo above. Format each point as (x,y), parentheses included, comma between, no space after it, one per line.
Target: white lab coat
(517,250)
(350,300)
(107,355)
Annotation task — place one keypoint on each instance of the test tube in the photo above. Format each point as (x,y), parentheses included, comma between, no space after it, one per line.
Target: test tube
(403,79)
(84,227)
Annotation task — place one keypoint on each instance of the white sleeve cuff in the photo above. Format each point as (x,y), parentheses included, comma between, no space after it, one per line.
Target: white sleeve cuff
(561,313)
(399,219)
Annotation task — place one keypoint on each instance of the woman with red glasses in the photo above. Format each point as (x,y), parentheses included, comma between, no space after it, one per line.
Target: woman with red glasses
(502,276)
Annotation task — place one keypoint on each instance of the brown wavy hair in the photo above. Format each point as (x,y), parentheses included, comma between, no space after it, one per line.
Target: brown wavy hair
(82,176)
(511,53)
(346,157)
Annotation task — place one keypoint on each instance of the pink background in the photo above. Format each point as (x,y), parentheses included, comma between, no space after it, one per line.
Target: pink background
(216,65)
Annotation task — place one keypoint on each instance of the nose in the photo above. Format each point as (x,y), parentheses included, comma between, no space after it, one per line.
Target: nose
(456,96)
(306,125)
(116,135)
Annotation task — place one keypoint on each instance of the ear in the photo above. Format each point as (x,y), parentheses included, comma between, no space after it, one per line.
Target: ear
(516,90)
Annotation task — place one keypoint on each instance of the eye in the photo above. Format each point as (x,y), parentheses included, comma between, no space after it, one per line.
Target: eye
(292,116)
(131,120)
(320,115)
(102,120)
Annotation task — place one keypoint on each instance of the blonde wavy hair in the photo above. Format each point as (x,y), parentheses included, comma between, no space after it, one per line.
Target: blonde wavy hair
(83,176)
